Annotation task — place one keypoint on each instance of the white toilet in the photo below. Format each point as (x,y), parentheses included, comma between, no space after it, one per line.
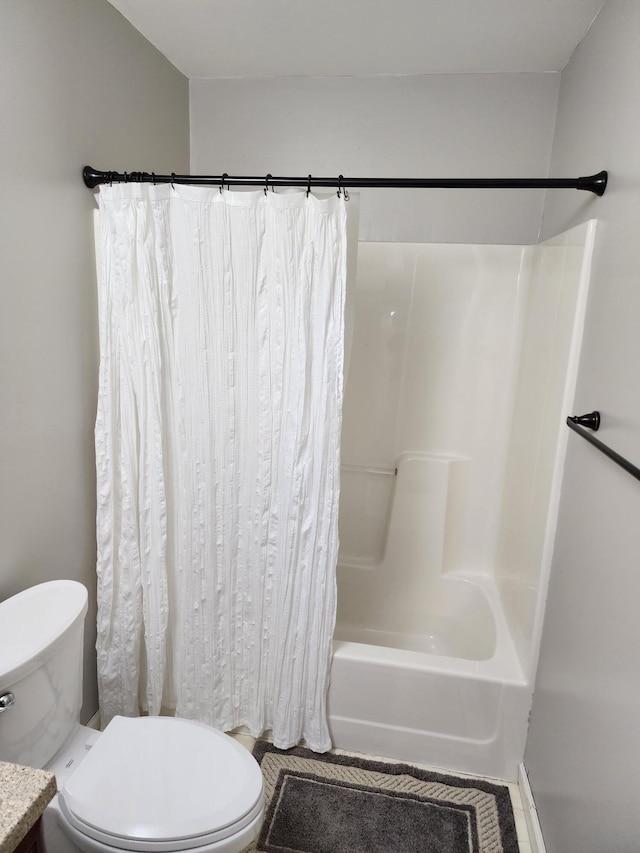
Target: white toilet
(144,784)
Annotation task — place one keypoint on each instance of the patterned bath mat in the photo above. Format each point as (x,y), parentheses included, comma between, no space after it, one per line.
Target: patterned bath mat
(339,804)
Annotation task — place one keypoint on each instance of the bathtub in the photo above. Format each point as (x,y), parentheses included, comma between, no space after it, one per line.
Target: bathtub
(453,696)
(462,371)
(424,665)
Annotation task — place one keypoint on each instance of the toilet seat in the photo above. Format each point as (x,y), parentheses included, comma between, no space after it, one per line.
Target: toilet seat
(162,784)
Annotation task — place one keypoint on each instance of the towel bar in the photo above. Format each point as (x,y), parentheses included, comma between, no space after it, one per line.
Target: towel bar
(592,421)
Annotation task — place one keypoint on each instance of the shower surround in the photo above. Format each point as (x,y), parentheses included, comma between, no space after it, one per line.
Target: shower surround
(462,371)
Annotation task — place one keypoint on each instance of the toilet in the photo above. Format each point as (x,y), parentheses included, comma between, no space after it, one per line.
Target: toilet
(157,784)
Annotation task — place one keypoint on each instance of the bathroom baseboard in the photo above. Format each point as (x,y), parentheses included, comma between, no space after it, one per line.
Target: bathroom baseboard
(530,812)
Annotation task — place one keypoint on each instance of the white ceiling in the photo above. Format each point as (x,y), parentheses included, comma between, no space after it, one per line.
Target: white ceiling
(272,38)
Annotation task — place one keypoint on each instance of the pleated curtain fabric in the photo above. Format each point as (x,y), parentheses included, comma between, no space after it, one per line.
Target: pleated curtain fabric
(218,450)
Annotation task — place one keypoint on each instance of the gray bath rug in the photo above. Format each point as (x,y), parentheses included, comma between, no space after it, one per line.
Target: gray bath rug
(339,804)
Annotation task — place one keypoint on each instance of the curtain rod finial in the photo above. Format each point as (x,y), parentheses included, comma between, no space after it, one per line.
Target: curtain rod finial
(92,177)
(594,183)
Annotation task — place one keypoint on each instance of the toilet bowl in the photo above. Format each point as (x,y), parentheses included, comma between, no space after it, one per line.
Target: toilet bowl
(157,784)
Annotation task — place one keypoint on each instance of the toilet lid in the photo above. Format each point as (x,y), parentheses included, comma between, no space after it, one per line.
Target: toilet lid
(150,780)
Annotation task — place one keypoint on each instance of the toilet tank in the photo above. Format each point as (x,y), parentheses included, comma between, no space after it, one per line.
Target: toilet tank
(41,634)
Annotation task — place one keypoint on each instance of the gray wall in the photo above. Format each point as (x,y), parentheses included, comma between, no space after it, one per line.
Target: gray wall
(79,85)
(582,752)
(447,125)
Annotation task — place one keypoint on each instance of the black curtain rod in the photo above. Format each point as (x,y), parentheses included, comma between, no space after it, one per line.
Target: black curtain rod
(592,183)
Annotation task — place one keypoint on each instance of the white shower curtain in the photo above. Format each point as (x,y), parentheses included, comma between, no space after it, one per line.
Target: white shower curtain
(217,444)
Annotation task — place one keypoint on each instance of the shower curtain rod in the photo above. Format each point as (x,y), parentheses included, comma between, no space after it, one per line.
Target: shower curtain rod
(593,183)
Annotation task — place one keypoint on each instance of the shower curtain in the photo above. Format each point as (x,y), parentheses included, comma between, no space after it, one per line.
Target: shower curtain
(217,444)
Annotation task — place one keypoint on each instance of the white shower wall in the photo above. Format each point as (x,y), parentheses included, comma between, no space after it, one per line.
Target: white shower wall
(432,373)
(462,372)
(557,273)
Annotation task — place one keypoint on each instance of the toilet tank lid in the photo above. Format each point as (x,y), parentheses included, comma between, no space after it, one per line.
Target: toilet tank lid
(34,623)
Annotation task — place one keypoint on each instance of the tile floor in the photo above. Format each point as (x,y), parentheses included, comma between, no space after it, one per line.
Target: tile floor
(521,825)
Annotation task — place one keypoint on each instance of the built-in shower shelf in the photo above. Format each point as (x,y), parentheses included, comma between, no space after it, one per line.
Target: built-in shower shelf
(365,469)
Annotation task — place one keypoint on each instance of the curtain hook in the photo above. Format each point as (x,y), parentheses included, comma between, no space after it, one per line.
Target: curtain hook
(126,177)
(173,177)
(153,178)
(110,178)
(339,185)
(225,175)
(308,186)
(342,189)
(266,183)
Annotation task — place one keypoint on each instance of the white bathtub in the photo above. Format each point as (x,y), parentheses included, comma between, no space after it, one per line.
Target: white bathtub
(462,373)
(453,696)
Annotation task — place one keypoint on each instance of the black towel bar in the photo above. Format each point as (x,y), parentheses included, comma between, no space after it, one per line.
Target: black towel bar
(592,421)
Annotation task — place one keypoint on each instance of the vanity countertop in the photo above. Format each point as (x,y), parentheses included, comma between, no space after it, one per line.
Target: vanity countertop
(24,795)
